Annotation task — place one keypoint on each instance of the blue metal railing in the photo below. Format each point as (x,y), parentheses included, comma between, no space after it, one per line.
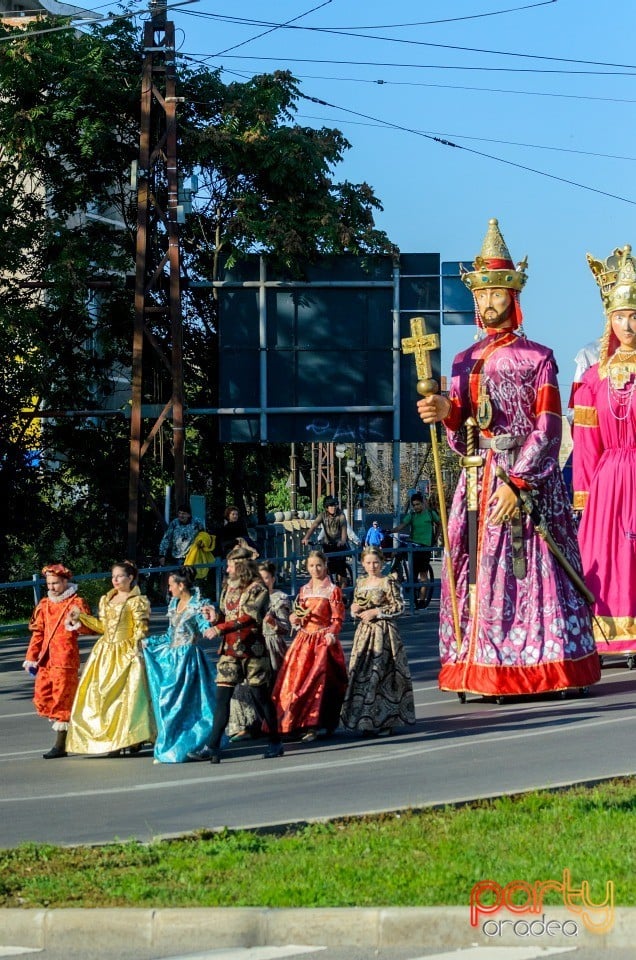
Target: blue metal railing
(292,574)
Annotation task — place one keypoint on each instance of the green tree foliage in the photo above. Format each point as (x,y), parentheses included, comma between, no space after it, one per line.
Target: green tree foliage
(69,115)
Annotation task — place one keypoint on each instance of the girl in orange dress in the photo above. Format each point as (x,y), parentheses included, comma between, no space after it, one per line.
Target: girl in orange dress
(311,683)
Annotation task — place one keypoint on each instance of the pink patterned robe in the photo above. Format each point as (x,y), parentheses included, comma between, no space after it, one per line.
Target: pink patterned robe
(605,487)
(529,635)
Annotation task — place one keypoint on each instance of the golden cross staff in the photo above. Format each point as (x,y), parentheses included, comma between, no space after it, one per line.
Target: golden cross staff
(420,344)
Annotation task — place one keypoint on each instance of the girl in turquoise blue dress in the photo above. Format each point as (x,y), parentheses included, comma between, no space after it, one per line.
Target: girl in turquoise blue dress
(181,676)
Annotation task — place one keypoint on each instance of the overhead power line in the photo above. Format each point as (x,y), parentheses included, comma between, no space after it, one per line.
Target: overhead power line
(418,43)
(464,136)
(447,86)
(272,29)
(449,143)
(428,23)
(631,72)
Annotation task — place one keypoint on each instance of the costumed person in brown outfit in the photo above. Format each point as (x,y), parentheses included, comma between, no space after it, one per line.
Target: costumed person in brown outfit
(243,652)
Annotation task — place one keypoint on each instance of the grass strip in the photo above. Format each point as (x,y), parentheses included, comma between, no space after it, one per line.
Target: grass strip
(415,858)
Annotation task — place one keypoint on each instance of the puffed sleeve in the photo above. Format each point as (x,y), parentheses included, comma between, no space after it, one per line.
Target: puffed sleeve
(36,626)
(256,603)
(539,455)
(393,604)
(140,612)
(337,611)
(588,446)
(280,608)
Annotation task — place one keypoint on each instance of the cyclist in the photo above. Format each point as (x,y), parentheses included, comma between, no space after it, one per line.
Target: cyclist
(334,525)
(422,523)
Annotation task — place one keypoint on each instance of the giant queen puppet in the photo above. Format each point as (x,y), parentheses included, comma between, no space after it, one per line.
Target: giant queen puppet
(514,616)
(605,461)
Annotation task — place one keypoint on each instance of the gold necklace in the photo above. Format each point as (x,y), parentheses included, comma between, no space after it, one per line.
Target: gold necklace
(621,383)
(621,369)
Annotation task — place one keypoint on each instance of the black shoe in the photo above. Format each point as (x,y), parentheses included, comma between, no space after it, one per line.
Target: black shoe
(204,754)
(59,747)
(274,750)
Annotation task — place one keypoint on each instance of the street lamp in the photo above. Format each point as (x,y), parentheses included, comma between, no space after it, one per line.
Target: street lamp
(360,482)
(341,451)
(350,470)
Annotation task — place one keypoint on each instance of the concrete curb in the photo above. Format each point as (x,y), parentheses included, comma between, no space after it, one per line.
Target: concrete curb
(364,927)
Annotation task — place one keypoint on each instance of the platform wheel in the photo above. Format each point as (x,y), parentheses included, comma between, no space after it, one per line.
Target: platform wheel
(584,691)
(461,697)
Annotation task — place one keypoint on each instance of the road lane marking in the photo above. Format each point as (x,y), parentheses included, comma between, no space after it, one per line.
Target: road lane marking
(391,752)
(9,951)
(497,953)
(248,953)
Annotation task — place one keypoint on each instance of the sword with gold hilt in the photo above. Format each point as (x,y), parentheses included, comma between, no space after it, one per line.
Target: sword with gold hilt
(420,343)
(471,463)
(538,522)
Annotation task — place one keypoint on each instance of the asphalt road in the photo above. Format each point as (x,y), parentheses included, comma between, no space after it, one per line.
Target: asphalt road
(455,752)
(539,952)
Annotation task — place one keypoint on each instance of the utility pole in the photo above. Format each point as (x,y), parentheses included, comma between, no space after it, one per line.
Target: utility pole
(158,268)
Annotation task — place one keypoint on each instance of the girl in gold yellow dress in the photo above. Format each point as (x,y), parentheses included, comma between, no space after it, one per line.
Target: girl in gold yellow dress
(112,708)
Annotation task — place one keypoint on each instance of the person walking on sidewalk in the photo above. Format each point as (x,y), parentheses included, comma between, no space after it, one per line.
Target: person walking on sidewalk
(179,536)
(374,535)
(422,523)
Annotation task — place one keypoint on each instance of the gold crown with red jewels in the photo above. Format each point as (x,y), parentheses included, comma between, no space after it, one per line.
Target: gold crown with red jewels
(483,275)
(616,279)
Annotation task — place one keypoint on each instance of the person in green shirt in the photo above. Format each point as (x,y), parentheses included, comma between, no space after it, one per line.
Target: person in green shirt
(422,524)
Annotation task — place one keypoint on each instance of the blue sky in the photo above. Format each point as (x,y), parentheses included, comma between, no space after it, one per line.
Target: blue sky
(572,120)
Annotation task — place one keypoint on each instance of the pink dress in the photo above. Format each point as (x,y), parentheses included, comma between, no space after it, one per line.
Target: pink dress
(605,486)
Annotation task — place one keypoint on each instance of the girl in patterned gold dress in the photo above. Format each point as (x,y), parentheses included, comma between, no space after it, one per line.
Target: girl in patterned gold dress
(379,695)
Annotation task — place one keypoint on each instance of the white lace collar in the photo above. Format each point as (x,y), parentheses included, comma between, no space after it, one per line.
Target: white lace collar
(70,591)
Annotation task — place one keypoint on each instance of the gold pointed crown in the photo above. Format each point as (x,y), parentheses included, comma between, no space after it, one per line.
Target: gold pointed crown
(616,278)
(494,267)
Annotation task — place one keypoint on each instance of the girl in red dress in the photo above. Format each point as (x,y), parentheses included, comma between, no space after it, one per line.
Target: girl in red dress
(311,683)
